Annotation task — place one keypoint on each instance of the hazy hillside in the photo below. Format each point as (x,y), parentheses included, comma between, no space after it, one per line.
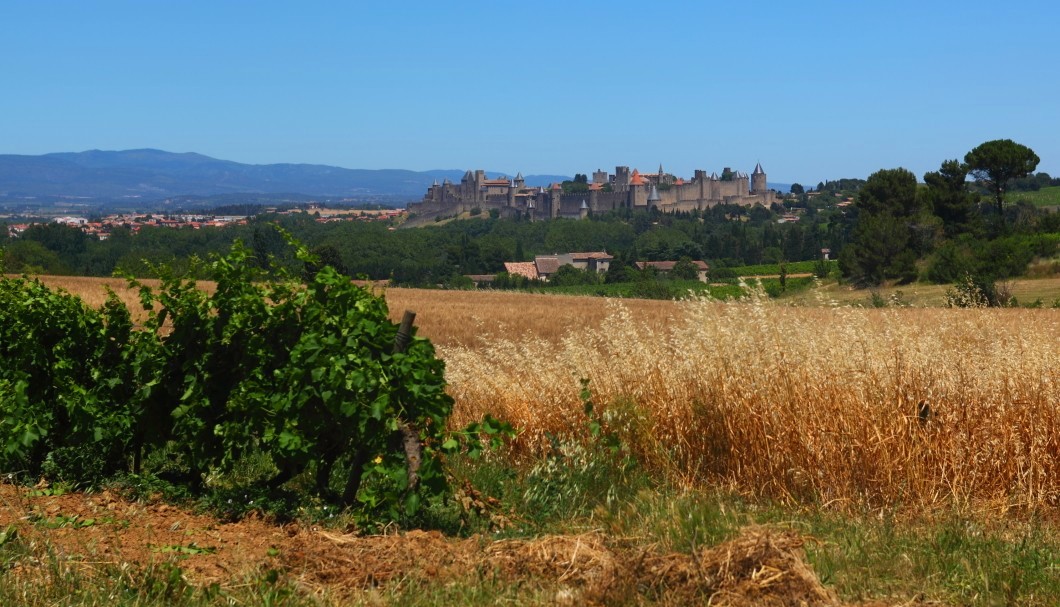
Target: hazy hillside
(155,174)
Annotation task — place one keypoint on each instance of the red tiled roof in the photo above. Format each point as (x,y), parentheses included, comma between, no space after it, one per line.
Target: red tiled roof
(521,268)
(636,179)
(591,255)
(546,265)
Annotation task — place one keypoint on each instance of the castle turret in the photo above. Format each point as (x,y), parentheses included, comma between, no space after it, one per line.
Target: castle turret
(480,186)
(758,180)
(583,211)
(653,197)
(637,195)
(554,201)
(621,179)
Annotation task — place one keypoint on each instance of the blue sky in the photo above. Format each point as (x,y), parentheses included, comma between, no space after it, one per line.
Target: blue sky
(812,90)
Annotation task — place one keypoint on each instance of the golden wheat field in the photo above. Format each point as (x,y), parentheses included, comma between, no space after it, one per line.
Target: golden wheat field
(915,409)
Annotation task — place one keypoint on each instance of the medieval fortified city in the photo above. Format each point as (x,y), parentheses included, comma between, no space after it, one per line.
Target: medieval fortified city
(606,192)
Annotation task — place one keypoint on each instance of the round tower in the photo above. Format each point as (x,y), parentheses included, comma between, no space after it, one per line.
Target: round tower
(758,180)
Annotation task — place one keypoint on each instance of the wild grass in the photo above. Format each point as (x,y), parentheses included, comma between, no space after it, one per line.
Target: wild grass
(1045,197)
(916,409)
(34,572)
(773,269)
(469,318)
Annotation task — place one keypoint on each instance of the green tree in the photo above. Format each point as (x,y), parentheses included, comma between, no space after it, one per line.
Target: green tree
(32,257)
(948,196)
(568,275)
(685,269)
(882,245)
(995,163)
(796,188)
(324,255)
(879,251)
(68,242)
(889,190)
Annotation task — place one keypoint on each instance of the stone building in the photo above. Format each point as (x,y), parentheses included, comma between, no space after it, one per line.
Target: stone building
(544,266)
(606,192)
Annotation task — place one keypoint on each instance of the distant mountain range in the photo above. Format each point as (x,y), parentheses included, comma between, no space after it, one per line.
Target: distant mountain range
(96,176)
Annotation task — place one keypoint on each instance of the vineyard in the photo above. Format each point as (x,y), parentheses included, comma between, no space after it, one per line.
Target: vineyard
(929,435)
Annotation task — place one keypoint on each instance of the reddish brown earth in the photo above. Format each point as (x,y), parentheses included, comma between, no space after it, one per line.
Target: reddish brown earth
(761,567)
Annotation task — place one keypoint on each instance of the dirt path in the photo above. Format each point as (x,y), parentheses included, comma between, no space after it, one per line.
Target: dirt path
(761,567)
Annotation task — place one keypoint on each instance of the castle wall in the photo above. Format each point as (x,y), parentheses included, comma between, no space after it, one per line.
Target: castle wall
(702,192)
(609,201)
(638,196)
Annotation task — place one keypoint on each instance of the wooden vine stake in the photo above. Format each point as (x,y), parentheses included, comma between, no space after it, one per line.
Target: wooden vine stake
(410,437)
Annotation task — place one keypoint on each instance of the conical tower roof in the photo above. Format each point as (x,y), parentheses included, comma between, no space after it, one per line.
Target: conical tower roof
(654,195)
(758,169)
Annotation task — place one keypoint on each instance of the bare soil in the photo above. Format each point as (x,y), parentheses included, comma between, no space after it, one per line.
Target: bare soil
(761,567)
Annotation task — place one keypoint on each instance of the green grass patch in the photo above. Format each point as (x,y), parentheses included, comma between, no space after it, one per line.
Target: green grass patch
(773,269)
(1045,197)
(651,289)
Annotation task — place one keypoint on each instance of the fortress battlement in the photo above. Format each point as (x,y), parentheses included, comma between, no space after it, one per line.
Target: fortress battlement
(607,192)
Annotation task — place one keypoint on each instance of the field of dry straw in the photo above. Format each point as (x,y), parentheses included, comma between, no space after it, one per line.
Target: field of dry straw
(916,409)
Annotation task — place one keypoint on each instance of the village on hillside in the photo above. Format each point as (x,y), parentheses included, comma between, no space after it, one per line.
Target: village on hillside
(102,227)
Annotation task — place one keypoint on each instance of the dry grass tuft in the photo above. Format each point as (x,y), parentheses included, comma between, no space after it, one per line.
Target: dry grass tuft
(759,567)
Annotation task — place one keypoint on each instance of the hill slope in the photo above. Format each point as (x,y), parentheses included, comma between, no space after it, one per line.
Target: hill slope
(156,174)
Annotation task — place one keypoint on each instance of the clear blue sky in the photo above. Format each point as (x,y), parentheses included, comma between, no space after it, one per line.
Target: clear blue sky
(813,90)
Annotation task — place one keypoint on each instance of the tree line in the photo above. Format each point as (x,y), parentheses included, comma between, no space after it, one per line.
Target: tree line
(727,235)
(950,226)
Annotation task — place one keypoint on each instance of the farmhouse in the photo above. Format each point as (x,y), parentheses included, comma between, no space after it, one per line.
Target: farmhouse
(544,266)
